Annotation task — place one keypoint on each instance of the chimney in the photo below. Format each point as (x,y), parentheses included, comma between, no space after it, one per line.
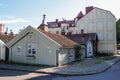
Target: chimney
(6,32)
(88,9)
(11,33)
(82,33)
(56,20)
(43,26)
(80,15)
(69,34)
(63,33)
(1,28)
(74,19)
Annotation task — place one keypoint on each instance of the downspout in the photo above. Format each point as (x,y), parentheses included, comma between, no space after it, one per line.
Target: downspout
(57,57)
(10,54)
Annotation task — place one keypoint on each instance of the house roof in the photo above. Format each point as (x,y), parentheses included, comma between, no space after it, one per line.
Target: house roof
(88,10)
(57,39)
(106,11)
(58,24)
(62,40)
(71,22)
(83,39)
(6,38)
(80,15)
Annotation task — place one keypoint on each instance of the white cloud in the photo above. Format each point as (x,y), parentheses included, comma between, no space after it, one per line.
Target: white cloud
(17,20)
(12,19)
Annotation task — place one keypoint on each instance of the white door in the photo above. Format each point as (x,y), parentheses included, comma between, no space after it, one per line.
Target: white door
(89,49)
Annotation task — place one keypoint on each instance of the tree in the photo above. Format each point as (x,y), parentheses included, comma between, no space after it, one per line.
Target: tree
(118,30)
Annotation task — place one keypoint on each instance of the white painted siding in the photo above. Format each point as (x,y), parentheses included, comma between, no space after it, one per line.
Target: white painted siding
(66,56)
(45,50)
(103,23)
(2,50)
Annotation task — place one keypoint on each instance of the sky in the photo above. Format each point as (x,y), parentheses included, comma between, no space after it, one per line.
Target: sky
(18,14)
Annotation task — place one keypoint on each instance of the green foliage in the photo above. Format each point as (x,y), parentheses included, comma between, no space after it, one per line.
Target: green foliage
(78,52)
(118,30)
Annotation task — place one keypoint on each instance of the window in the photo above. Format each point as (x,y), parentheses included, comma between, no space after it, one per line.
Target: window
(31,49)
(19,49)
(57,32)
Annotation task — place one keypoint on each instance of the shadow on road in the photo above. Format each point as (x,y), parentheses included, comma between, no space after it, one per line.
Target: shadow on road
(8,73)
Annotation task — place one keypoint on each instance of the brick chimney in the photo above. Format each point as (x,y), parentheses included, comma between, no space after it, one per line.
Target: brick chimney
(82,33)
(56,20)
(1,28)
(69,34)
(63,33)
(88,9)
(43,26)
(11,33)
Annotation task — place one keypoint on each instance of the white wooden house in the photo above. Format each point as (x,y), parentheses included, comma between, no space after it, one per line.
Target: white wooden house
(95,20)
(35,46)
(2,50)
(103,23)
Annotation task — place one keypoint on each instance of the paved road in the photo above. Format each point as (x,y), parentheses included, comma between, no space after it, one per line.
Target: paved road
(18,75)
(112,74)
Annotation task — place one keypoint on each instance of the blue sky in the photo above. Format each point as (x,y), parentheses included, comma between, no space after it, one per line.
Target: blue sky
(18,14)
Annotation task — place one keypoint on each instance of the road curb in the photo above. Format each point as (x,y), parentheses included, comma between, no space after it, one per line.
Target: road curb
(62,74)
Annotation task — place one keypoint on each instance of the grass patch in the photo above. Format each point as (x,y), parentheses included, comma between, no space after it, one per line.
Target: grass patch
(94,61)
(25,64)
(99,62)
(106,58)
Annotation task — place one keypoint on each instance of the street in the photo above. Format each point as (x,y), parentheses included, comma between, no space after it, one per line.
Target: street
(111,74)
(19,75)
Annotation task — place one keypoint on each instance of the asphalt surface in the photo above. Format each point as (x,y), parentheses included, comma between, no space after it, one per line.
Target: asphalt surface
(20,75)
(112,73)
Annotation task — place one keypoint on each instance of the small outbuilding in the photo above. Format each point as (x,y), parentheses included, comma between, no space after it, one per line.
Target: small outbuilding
(2,50)
(88,40)
(35,46)
(4,38)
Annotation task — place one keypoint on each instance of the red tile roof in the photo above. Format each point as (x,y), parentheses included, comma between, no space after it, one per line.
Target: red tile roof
(58,24)
(70,22)
(80,15)
(89,8)
(83,40)
(62,40)
(6,38)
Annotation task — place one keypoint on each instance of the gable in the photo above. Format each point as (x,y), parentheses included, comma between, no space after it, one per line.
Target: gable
(1,42)
(26,32)
(101,13)
(56,39)
(97,13)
